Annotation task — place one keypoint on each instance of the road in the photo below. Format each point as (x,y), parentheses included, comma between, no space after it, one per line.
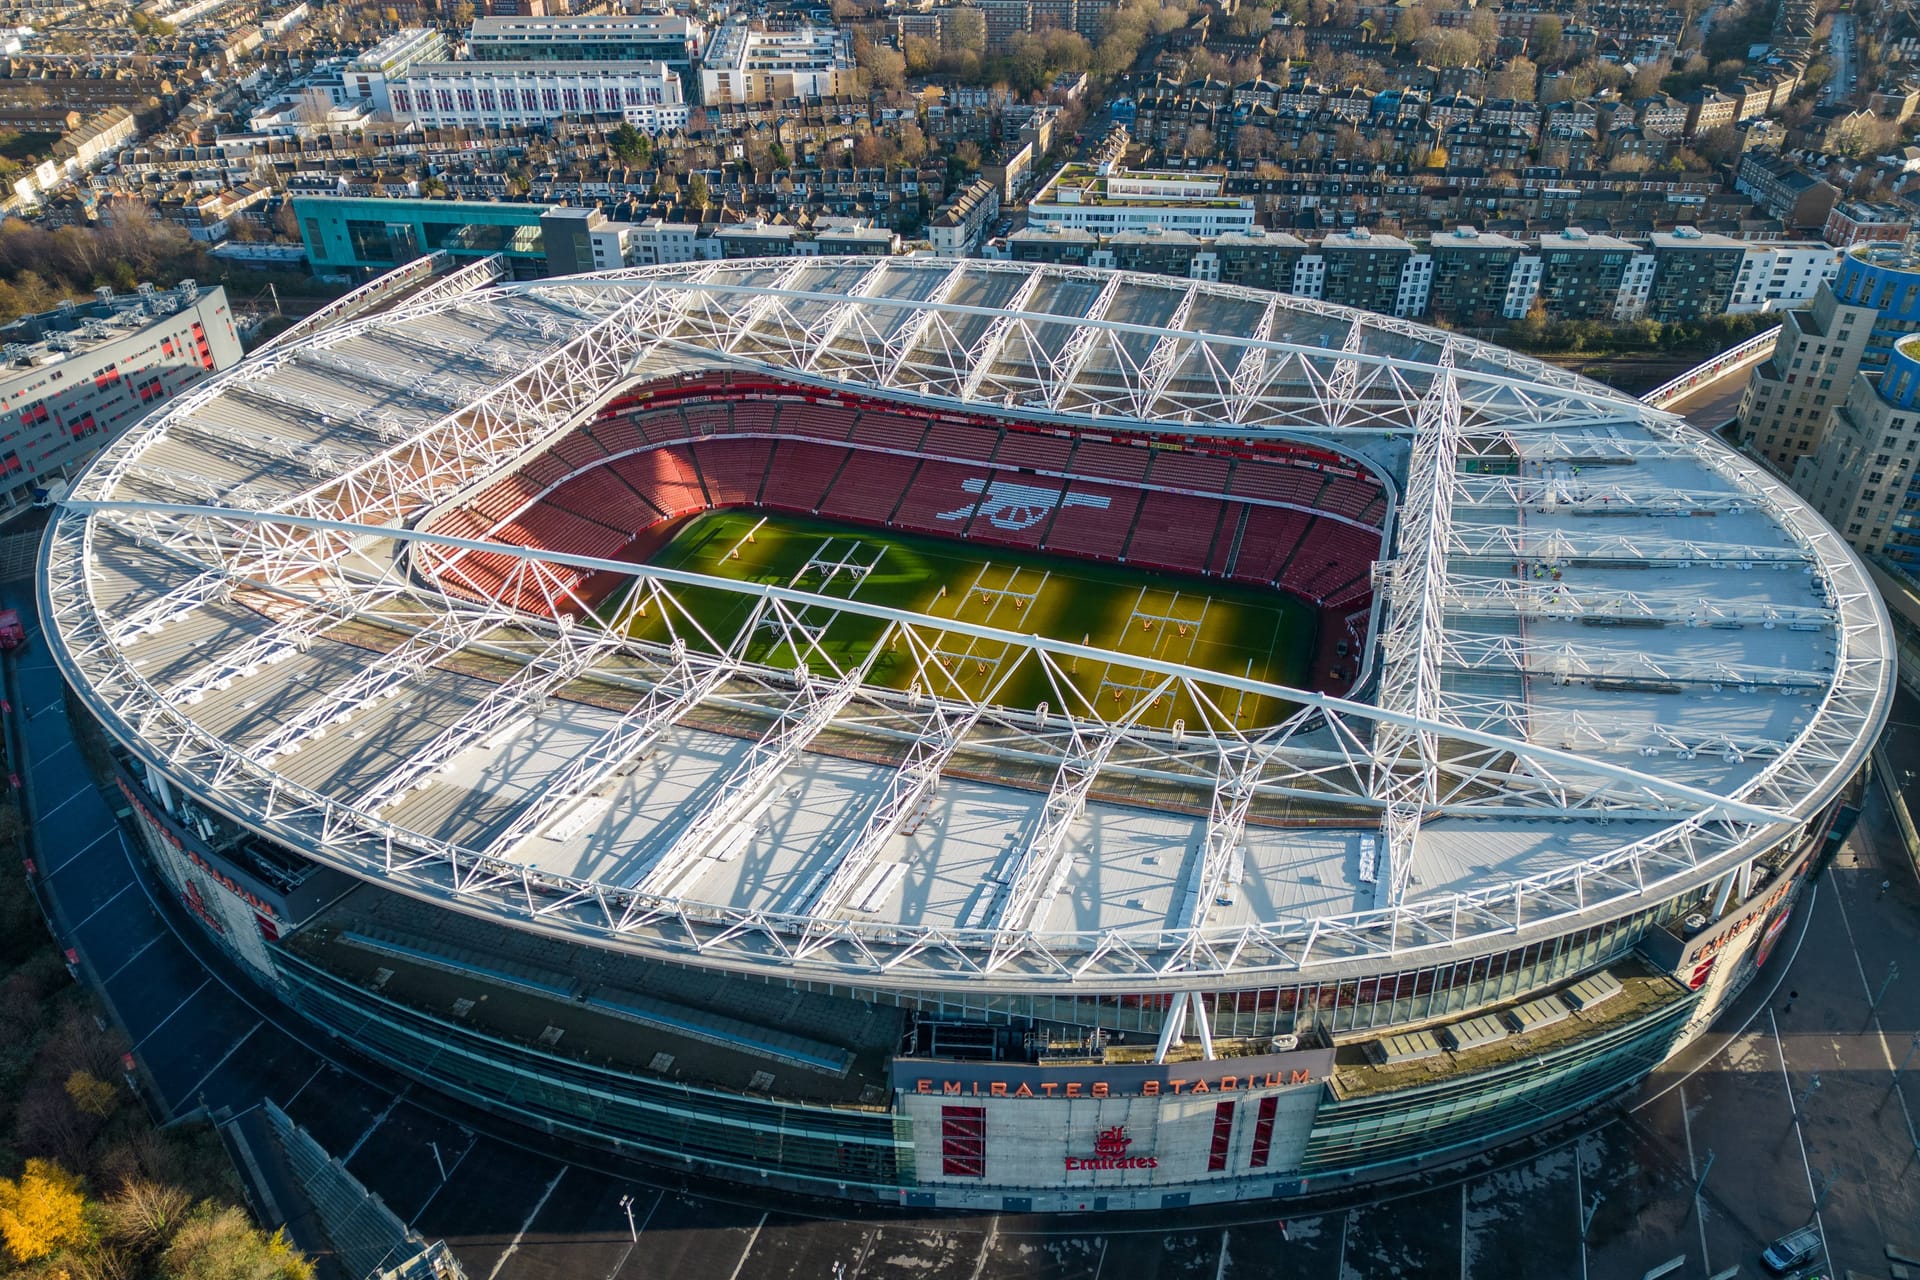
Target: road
(1840,45)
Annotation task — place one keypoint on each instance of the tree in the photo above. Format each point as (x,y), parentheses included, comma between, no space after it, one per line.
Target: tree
(1450,47)
(1647,78)
(1549,37)
(144,1215)
(1485,30)
(1412,25)
(886,68)
(629,145)
(220,1244)
(698,196)
(1518,79)
(42,1213)
(921,53)
(1199,141)
(1861,134)
(1719,146)
(89,1092)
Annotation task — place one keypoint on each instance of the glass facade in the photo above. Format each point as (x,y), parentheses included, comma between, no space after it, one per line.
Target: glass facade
(1357,1133)
(847,1147)
(1354,1004)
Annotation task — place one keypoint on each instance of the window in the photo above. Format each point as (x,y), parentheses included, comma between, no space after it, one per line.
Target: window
(963,1142)
(1222,1136)
(1263,1132)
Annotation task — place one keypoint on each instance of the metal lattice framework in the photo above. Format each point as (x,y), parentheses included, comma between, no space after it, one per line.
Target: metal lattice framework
(301,486)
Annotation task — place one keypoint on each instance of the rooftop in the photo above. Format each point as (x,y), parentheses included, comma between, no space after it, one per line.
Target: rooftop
(52,336)
(1684,637)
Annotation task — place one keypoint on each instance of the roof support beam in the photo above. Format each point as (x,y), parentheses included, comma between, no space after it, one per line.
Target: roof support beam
(1595,541)
(910,787)
(1407,760)
(1169,350)
(677,692)
(276,644)
(1041,868)
(382,678)
(899,348)
(565,660)
(821,342)
(980,360)
(1583,660)
(1344,384)
(759,308)
(1506,597)
(1080,345)
(1250,374)
(1597,489)
(1233,794)
(741,796)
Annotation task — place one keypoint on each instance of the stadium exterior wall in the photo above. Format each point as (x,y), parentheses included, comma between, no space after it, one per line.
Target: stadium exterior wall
(1006,1137)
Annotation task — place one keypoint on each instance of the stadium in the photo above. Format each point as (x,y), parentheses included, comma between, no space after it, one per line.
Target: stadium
(968,734)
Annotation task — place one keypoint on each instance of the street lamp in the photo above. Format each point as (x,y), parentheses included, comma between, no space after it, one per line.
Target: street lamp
(626,1202)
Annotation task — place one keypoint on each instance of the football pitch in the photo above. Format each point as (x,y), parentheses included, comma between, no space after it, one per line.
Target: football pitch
(1198,622)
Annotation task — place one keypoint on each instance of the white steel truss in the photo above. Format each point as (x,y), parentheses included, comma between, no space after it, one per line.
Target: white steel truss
(326,537)
(1406,768)
(744,792)
(512,699)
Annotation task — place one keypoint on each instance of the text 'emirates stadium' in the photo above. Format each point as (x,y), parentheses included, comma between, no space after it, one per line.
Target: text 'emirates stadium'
(968,734)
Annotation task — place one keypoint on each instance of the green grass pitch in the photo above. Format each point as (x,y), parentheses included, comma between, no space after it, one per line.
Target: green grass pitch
(1199,622)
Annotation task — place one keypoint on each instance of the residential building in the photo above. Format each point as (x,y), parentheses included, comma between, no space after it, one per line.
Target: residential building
(1005,19)
(1580,275)
(1694,274)
(1109,200)
(366,77)
(1362,269)
(1791,396)
(1636,286)
(1862,477)
(1472,271)
(656,241)
(1885,277)
(745,63)
(1777,274)
(1855,222)
(1786,191)
(1259,259)
(958,227)
(505,95)
(578,240)
(76,376)
(1708,108)
(97,138)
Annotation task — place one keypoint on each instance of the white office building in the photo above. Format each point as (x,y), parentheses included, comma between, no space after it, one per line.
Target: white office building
(746,64)
(483,95)
(1108,201)
(367,77)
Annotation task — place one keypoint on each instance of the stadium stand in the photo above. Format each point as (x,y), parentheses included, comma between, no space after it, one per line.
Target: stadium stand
(1302,521)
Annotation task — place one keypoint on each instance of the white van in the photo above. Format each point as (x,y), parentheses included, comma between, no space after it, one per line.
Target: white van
(1791,1249)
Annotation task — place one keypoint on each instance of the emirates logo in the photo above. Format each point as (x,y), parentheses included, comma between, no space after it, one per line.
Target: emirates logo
(1110,1152)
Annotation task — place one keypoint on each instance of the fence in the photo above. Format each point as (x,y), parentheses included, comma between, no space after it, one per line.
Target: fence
(1750,352)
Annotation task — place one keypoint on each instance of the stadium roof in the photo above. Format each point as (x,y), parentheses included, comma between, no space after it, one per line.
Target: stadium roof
(1614,660)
